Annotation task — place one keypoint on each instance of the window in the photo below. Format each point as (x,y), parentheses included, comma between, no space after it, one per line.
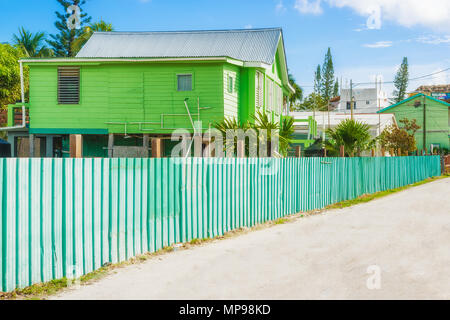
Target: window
(349,107)
(184,82)
(259,89)
(367,102)
(68,85)
(230,84)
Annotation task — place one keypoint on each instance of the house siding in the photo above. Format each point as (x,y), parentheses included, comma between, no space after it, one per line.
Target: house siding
(231,100)
(128,93)
(437,120)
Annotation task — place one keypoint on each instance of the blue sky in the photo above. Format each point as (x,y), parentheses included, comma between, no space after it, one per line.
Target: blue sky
(367,37)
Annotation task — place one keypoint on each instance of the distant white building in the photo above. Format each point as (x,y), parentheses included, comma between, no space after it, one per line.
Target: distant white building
(325,120)
(366,100)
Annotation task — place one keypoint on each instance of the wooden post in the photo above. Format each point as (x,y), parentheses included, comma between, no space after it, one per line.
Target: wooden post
(157,148)
(391,152)
(76,146)
(325,152)
(110,145)
(73,146)
(342,152)
(298,151)
(400,152)
(79,139)
(241,148)
(373,153)
(383,152)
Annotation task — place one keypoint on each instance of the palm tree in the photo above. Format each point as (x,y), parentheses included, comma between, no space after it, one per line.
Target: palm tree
(297,95)
(100,26)
(31,44)
(351,134)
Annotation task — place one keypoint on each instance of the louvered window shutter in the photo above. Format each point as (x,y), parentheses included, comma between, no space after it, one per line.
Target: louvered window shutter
(68,85)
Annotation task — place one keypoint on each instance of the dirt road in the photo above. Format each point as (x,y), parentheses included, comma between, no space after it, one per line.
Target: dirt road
(403,240)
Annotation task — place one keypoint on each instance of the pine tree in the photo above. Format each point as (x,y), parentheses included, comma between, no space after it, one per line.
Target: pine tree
(336,88)
(318,80)
(401,81)
(328,77)
(61,43)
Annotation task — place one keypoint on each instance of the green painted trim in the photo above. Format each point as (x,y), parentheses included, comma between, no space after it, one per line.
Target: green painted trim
(68,131)
(411,98)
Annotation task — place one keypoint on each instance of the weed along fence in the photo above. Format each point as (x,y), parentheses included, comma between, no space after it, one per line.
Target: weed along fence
(61,217)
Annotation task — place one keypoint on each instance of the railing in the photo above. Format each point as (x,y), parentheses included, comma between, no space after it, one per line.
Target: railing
(15,115)
(61,217)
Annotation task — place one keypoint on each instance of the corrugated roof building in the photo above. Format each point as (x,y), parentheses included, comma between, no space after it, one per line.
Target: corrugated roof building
(255,45)
(145,85)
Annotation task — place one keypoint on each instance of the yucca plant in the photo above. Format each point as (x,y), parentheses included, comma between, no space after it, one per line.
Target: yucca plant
(233,124)
(285,135)
(351,134)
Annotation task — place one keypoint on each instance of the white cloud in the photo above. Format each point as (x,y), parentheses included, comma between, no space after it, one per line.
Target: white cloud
(379,44)
(433,39)
(426,13)
(280,8)
(308,6)
(248,26)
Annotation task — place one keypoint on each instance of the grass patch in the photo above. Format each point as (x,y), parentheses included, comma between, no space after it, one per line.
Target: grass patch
(281,221)
(369,197)
(42,290)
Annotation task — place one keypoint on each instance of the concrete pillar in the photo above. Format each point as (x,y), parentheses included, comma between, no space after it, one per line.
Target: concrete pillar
(12,141)
(157,148)
(146,141)
(49,147)
(32,151)
(110,145)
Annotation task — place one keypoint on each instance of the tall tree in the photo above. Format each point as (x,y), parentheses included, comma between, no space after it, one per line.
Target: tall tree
(297,96)
(87,33)
(401,81)
(327,77)
(336,88)
(32,45)
(10,74)
(62,42)
(318,80)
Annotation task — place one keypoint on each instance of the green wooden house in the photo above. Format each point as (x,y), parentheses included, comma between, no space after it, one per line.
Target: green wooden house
(431,114)
(124,88)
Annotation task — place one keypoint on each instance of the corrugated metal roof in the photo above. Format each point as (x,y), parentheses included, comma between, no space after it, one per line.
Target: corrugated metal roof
(249,45)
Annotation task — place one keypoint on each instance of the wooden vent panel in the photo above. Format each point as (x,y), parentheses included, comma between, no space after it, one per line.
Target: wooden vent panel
(68,85)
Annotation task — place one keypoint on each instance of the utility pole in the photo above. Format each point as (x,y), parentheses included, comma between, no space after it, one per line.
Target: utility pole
(424,123)
(351,98)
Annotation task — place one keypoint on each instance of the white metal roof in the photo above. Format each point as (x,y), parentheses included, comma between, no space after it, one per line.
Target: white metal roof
(248,45)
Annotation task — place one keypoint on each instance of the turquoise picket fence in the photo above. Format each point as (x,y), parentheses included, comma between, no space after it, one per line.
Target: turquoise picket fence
(65,217)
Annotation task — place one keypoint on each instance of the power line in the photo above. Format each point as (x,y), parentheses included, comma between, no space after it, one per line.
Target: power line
(390,82)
